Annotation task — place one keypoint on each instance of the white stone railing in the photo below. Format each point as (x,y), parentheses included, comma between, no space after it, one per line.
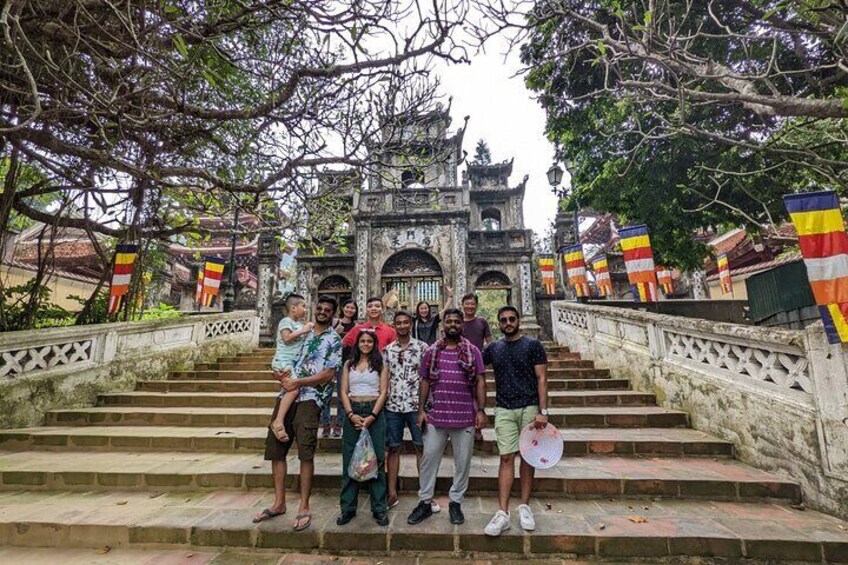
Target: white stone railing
(781,396)
(83,347)
(68,367)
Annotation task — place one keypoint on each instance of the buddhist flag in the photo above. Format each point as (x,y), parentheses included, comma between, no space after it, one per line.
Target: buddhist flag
(664,276)
(125,255)
(639,260)
(575,268)
(602,277)
(824,244)
(547,264)
(198,294)
(212,273)
(724,274)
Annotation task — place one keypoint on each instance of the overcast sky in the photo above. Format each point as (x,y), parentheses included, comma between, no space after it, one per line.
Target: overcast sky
(512,123)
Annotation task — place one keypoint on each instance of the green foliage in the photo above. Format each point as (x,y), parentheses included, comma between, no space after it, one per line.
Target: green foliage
(482,154)
(673,162)
(489,303)
(161,312)
(28,306)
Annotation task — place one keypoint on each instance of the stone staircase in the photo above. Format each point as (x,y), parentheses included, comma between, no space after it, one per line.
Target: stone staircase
(178,464)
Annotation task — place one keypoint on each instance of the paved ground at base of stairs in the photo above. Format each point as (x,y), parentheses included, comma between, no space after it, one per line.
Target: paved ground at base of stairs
(108,556)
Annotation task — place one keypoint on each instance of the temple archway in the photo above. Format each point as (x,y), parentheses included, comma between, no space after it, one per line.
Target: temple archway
(336,286)
(493,290)
(415,275)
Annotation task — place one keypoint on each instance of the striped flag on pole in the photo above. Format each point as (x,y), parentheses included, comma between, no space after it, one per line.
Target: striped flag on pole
(602,277)
(664,277)
(824,244)
(125,255)
(724,274)
(639,260)
(547,264)
(212,274)
(575,268)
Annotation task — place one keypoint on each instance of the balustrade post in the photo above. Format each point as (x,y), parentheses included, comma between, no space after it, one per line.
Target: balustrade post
(828,369)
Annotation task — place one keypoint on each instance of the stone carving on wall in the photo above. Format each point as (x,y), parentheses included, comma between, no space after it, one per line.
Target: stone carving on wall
(697,280)
(526,290)
(334,282)
(492,279)
(411,262)
(410,237)
(460,254)
(516,210)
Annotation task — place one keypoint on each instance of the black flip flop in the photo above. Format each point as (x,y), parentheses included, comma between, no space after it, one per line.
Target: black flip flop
(267,514)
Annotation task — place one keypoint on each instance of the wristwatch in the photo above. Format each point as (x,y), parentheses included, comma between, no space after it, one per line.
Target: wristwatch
(543,411)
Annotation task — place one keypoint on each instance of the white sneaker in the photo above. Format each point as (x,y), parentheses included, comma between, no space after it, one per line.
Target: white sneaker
(434,506)
(525,517)
(498,524)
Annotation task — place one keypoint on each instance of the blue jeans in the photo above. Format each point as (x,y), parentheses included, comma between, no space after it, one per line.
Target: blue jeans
(396,422)
(325,415)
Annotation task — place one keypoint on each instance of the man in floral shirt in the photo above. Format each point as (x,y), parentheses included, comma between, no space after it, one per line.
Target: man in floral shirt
(313,373)
(403,357)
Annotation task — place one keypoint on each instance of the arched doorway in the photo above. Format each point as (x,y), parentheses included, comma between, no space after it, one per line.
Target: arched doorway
(415,275)
(493,289)
(336,286)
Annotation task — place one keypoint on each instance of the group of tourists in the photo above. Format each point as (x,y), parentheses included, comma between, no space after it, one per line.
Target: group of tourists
(424,373)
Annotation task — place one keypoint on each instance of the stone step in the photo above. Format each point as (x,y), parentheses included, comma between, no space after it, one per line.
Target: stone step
(585,477)
(664,442)
(252,375)
(233,364)
(559,398)
(268,385)
(581,417)
(612,529)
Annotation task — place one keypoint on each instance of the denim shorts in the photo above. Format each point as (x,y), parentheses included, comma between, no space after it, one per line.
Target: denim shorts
(396,422)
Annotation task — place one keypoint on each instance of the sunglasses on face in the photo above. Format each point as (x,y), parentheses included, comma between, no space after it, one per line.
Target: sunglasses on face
(507,319)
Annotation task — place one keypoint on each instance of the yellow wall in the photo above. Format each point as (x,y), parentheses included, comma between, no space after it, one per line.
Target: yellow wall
(60,288)
(740,291)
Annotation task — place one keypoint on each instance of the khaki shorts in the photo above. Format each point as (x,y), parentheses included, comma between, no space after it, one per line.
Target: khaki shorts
(508,426)
(301,425)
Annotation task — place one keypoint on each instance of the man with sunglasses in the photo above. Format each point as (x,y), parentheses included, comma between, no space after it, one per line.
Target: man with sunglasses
(521,398)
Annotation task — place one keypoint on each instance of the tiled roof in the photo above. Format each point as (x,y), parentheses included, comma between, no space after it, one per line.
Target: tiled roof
(54,272)
(727,242)
(791,257)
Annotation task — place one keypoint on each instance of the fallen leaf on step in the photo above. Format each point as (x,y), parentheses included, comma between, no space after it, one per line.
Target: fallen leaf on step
(559,511)
(602,526)
(189,555)
(646,508)
(156,495)
(630,508)
(802,507)
(103,550)
(121,502)
(222,433)
(257,466)
(637,519)
(548,505)
(841,527)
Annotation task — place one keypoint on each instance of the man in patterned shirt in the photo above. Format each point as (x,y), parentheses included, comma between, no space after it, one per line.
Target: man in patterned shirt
(312,375)
(403,357)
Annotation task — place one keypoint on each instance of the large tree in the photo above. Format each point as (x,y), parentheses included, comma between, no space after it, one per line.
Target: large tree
(688,114)
(140,115)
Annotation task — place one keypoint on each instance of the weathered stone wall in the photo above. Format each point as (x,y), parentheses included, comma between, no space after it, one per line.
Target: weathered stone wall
(48,369)
(780,396)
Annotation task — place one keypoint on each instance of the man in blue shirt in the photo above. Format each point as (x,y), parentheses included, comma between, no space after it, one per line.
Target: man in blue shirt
(521,398)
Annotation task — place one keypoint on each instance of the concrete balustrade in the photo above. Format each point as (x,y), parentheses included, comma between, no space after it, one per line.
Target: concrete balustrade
(780,396)
(68,367)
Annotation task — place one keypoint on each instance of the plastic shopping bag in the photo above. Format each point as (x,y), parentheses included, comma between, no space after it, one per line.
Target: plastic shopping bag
(363,464)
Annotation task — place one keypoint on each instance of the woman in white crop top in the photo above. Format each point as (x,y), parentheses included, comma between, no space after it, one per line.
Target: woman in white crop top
(364,388)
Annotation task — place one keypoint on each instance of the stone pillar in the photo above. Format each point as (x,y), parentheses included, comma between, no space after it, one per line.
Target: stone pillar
(269,263)
(460,259)
(697,282)
(528,306)
(363,236)
(160,285)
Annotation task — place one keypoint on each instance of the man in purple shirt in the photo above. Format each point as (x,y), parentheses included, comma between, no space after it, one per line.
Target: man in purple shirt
(452,377)
(474,328)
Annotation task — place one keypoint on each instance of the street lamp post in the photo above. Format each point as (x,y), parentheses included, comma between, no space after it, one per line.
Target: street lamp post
(230,293)
(555,179)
